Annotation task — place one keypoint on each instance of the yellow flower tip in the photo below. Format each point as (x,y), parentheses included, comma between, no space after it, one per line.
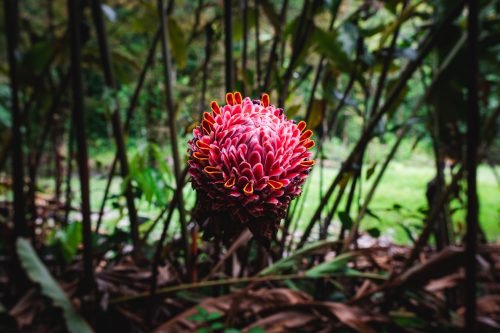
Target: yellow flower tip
(309,144)
(200,156)
(212,170)
(215,107)
(248,189)
(275,185)
(265,100)
(238,98)
(229,98)
(230,182)
(301,126)
(308,163)
(208,117)
(306,135)
(202,145)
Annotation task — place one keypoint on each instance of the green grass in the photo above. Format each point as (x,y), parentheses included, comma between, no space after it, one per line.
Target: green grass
(403,185)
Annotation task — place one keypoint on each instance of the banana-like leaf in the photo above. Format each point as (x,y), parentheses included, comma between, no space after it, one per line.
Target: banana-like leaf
(38,273)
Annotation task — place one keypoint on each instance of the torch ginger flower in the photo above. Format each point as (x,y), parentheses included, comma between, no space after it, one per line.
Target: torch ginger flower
(247,162)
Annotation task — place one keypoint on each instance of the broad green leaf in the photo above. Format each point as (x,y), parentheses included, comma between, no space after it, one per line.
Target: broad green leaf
(271,14)
(49,287)
(328,45)
(256,330)
(38,57)
(177,43)
(374,232)
(317,113)
(69,239)
(338,264)
(345,219)
(293,110)
(371,170)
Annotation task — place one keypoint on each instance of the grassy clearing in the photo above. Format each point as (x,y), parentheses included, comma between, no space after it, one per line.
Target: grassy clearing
(398,203)
(404,186)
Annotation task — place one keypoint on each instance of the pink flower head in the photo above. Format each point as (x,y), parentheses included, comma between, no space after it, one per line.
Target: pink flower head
(247,162)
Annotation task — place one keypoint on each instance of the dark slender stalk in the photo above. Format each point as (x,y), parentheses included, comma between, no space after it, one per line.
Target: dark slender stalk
(333,210)
(272,55)
(116,122)
(11,11)
(228,44)
(40,143)
(350,84)
(257,44)
(385,68)
(128,119)
(197,16)
(244,53)
(75,15)
(69,173)
(159,245)
(471,165)
(175,202)
(303,29)
(431,217)
(208,54)
(393,95)
(167,68)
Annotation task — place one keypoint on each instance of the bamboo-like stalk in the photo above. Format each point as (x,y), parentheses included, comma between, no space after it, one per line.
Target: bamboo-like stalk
(75,13)
(257,44)
(208,54)
(69,173)
(272,54)
(418,106)
(244,53)
(471,165)
(228,45)
(167,68)
(130,113)
(303,29)
(116,123)
(11,12)
(407,73)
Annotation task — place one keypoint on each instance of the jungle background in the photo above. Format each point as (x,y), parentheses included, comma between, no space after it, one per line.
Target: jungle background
(398,226)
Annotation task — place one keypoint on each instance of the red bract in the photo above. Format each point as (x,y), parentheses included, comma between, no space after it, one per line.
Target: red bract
(247,162)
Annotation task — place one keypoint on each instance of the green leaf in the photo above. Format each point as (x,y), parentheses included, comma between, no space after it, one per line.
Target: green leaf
(271,14)
(217,326)
(38,273)
(328,45)
(214,315)
(317,113)
(374,232)
(177,43)
(338,264)
(256,330)
(345,219)
(38,57)
(232,330)
(197,318)
(371,170)
(292,110)
(69,239)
